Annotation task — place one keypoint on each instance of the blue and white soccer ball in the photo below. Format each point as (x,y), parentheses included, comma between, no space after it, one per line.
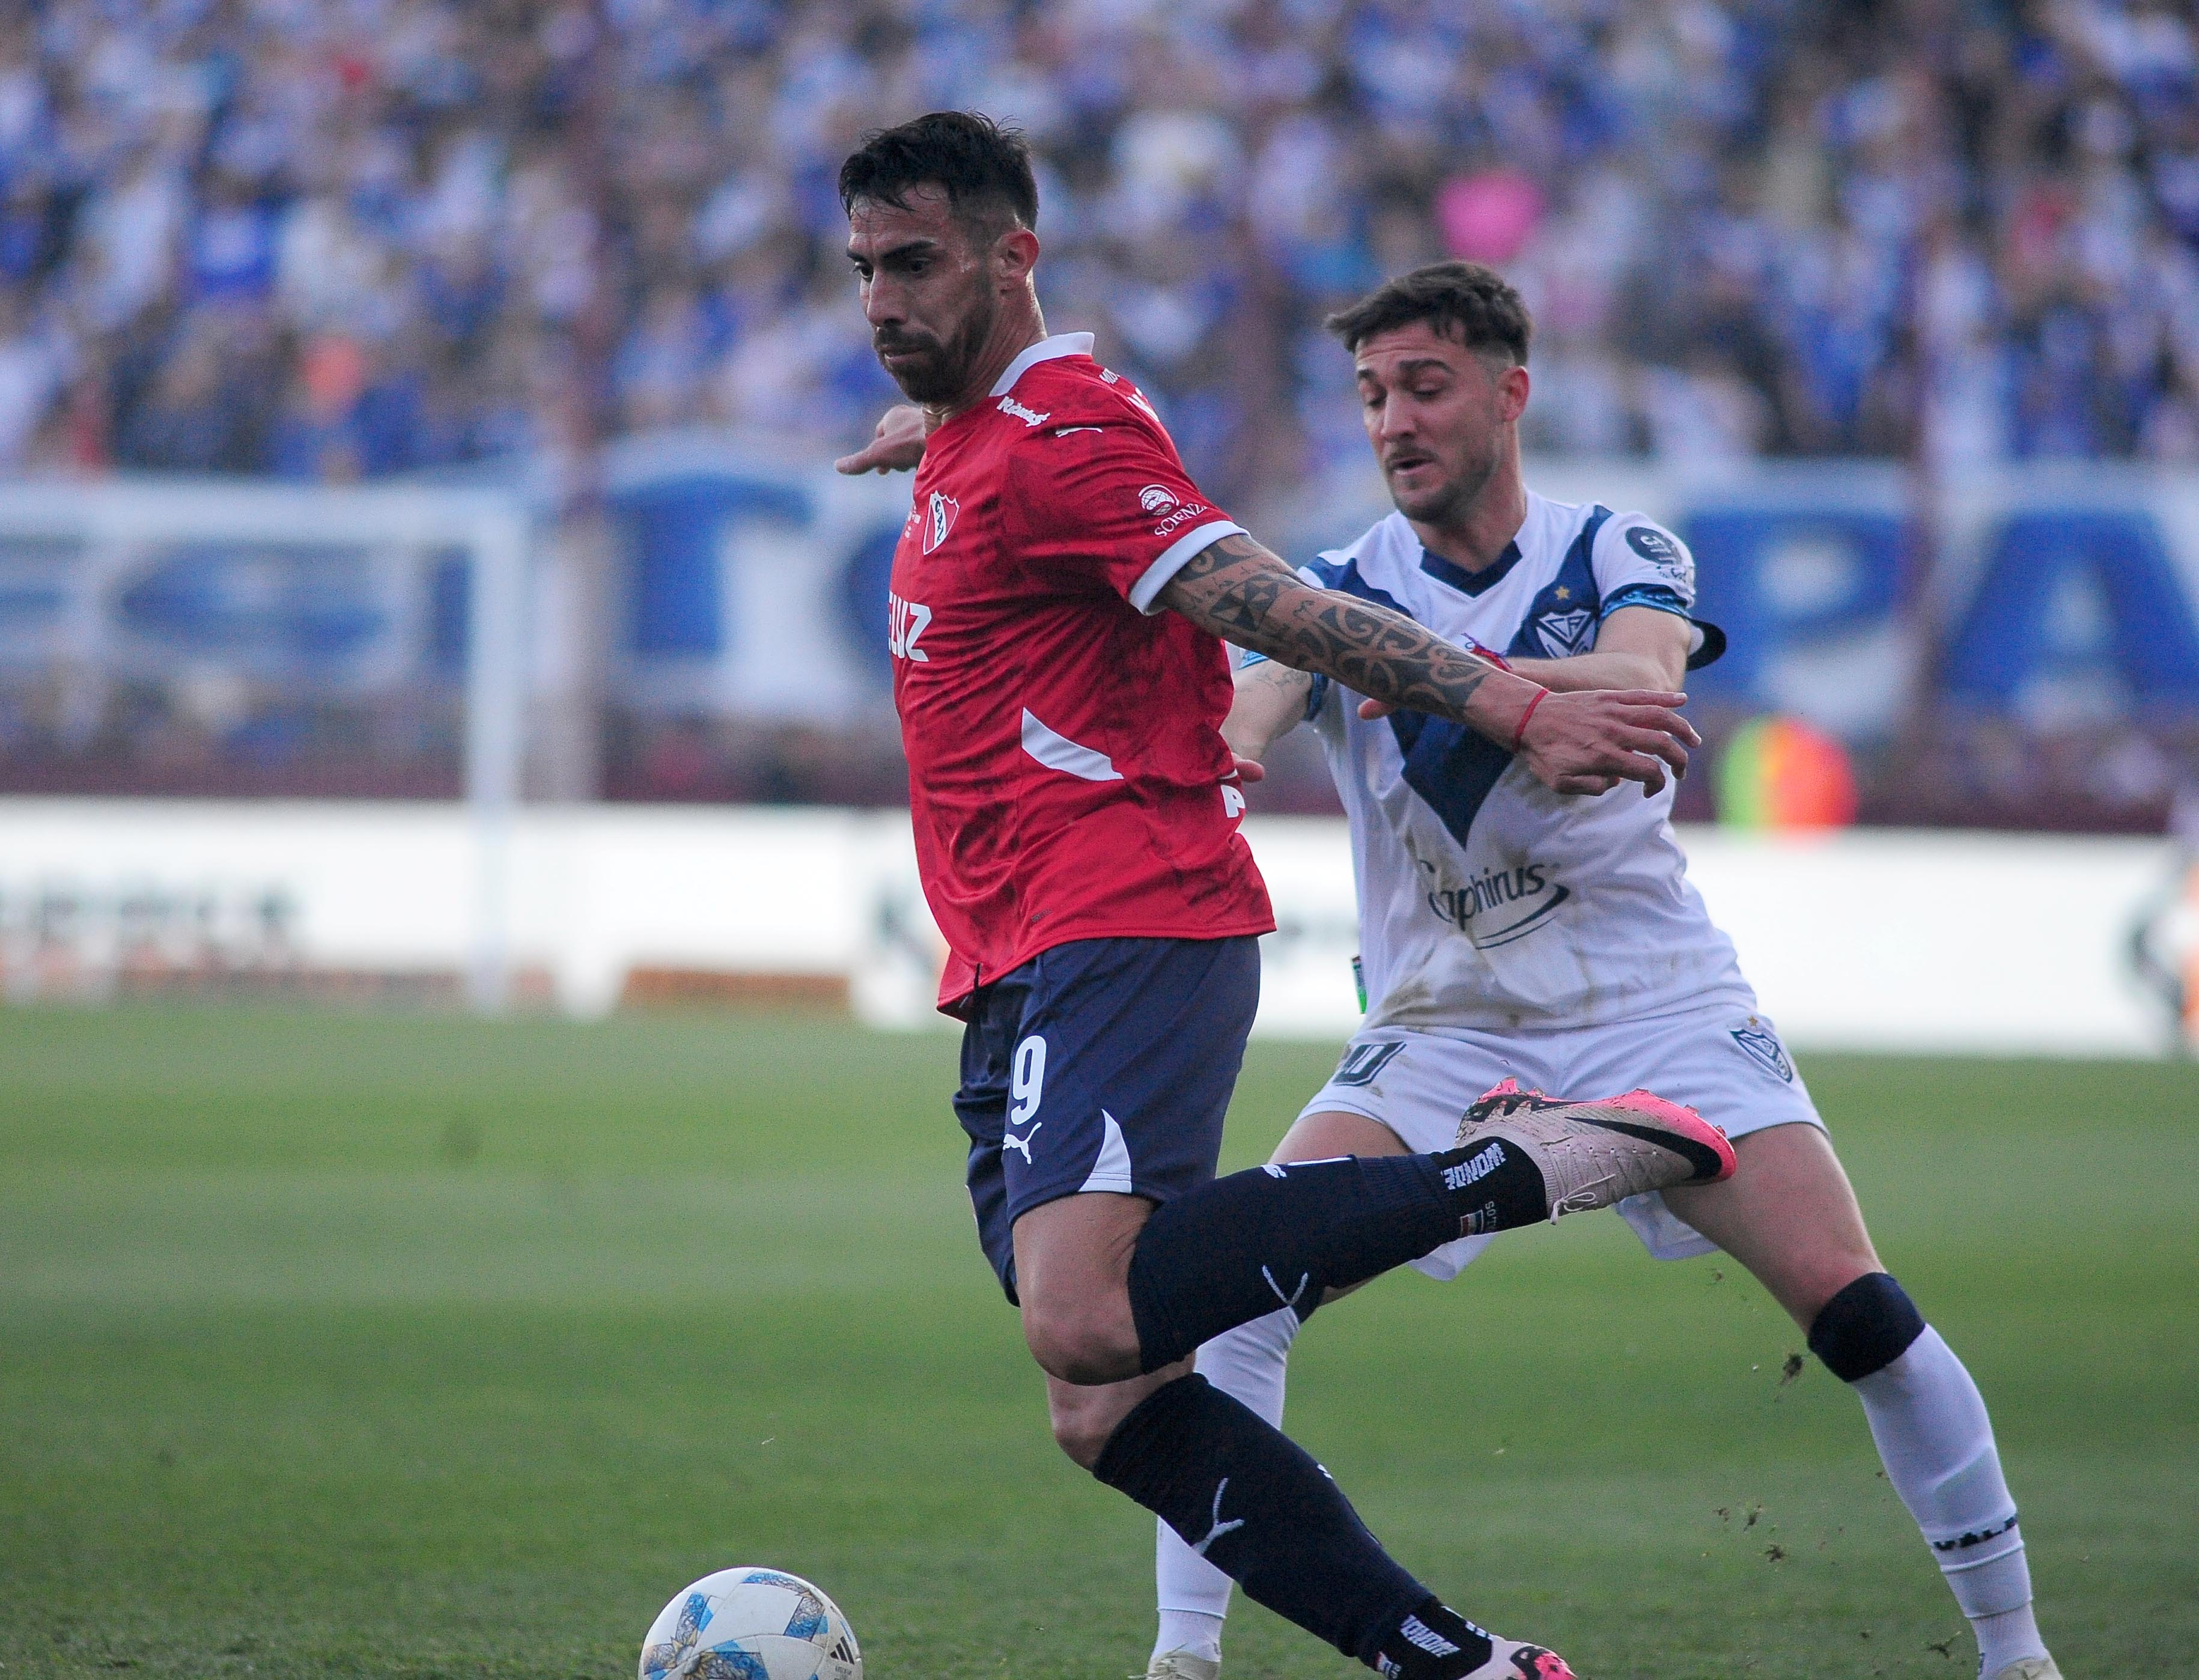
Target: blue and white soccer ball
(748,1624)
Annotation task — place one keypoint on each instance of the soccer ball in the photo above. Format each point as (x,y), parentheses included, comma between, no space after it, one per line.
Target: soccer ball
(748,1624)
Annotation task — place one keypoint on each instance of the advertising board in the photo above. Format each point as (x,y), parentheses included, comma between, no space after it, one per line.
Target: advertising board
(1889,939)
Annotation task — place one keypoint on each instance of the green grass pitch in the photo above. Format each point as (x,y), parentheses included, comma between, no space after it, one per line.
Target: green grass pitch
(336,1345)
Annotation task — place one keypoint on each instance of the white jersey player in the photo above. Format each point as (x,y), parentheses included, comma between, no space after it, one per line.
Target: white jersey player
(1507,932)
(1484,905)
(1511,935)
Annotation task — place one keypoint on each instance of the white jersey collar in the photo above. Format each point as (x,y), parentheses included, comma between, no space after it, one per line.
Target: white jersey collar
(1061,344)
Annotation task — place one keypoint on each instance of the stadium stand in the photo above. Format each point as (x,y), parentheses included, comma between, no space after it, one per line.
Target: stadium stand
(341,240)
(324,241)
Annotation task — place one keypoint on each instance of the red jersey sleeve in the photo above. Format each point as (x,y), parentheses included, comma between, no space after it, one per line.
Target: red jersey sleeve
(1107,500)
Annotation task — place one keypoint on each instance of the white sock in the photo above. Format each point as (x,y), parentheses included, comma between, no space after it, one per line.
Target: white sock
(1248,1364)
(1937,1443)
(1192,1630)
(2006,1637)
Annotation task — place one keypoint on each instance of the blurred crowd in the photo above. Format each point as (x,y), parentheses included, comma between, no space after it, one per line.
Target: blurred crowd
(327,239)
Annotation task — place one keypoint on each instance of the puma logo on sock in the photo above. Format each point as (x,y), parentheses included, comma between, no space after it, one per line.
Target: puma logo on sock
(1219,1527)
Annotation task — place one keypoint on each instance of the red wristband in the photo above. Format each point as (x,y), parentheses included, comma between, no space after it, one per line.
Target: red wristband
(1488,653)
(1519,735)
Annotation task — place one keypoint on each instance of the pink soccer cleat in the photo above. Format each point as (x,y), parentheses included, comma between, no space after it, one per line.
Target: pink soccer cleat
(1592,1154)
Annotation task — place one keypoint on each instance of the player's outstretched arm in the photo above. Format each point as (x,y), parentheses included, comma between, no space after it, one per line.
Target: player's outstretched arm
(1270,702)
(1573,742)
(1637,647)
(897,445)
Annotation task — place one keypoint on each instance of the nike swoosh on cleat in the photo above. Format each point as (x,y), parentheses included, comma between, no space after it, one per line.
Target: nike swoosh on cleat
(1702,1157)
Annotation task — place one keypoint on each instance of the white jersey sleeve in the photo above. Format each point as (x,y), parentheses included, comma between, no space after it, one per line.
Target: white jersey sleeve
(1637,562)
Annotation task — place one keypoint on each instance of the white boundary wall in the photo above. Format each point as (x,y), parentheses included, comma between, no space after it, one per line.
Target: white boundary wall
(1865,940)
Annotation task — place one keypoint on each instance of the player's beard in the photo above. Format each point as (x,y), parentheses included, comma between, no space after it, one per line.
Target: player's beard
(940,371)
(1449,502)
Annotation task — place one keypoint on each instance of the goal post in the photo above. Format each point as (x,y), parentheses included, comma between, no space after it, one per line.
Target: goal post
(67,550)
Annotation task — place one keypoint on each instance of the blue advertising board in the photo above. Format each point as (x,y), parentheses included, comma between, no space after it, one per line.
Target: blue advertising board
(745,584)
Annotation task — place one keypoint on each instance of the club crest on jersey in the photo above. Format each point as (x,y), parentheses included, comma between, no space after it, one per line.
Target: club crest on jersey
(939,520)
(1764,1049)
(1362,1062)
(1566,633)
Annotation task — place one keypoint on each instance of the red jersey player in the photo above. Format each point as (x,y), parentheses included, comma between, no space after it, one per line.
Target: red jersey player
(1038,687)
(1061,596)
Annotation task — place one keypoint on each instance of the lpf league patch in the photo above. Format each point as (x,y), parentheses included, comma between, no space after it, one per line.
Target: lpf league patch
(1764,1048)
(1665,555)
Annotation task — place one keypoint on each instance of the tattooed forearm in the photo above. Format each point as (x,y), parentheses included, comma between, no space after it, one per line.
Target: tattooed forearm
(1244,594)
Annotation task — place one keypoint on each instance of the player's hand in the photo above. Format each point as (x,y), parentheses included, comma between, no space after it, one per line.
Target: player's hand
(1372,710)
(1590,741)
(1248,769)
(898,445)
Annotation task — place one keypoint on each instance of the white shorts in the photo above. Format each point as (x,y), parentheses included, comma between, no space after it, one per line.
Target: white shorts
(1723,1062)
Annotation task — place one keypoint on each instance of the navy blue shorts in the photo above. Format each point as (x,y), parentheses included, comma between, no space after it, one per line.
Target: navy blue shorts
(1101,1064)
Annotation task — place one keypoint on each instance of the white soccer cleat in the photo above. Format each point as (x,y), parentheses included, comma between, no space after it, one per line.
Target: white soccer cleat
(1181,1665)
(1592,1154)
(2027,1668)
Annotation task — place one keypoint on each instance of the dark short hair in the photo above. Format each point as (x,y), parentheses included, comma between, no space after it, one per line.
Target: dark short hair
(1462,300)
(984,167)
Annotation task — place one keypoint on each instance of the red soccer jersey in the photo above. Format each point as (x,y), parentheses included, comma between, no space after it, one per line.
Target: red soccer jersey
(1067,773)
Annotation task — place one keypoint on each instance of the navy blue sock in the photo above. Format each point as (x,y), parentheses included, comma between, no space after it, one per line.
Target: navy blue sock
(1250,1501)
(1236,1249)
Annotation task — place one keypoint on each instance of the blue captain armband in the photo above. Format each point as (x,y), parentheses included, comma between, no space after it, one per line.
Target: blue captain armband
(1654,595)
(1708,641)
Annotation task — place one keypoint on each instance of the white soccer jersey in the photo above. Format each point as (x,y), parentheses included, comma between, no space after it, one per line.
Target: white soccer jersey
(1487,901)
